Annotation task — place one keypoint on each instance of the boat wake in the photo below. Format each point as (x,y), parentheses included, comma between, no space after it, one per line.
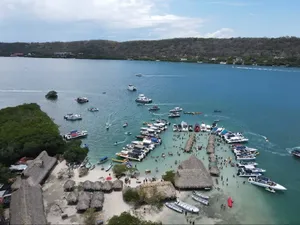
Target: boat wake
(278,153)
(160,114)
(162,76)
(217,116)
(265,69)
(289,150)
(22,91)
(120,142)
(257,135)
(167,104)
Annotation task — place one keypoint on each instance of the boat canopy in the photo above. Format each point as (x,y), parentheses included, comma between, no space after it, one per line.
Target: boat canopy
(214,129)
(154,140)
(103,158)
(139,146)
(224,132)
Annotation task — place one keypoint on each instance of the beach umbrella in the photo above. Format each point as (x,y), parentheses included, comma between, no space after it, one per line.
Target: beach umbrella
(108,178)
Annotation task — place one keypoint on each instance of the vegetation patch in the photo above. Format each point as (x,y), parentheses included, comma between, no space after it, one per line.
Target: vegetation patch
(169,176)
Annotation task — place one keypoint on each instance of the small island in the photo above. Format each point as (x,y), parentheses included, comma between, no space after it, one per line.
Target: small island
(51,95)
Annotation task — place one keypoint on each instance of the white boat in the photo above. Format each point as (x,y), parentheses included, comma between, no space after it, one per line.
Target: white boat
(131,87)
(242,164)
(239,152)
(265,182)
(200,195)
(175,128)
(270,189)
(258,170)
(173,206)
(184,126)
(247,173)
(109,167)
(125,124)
(72,117)
(93,109)
(143,99)
(236,139)
(245,157)
(82,100)
(176,110)
(201,200)
(187,207)
(75,134)
(174,115)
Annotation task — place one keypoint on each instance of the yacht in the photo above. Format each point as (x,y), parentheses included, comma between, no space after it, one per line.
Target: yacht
(143,99)
(82,100)
(174,115)
(154,108)
(75,134)
(200,195)
(247,173)
(176,110)
(242,163)
(93,109)
(184,126)
(131,87)
(266,183)
(187,207)
(245,157)
(201,200)
(72,117)
(173,206)
(296,153)
(243,152)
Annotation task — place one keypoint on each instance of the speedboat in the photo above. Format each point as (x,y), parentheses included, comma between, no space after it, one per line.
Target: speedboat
(265,182)
(247,173)
(143,99)
(217,111)
(242,163)
(176,110)
(257,170)
(131,87)
(93,109)
(245,157)
(75,134)
(173,206)
(184,126)
(154,108)
(197,128)
(174,115)
(200,195)
(103,160)
(201,200)
(191,129)
(82,100)
(139,75)
(296,153)
(109,167)
(270,189)
(125,124)
(72,117)
(187,207)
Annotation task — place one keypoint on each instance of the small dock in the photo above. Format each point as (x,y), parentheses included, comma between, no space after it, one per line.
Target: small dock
(210,149)
(190,143)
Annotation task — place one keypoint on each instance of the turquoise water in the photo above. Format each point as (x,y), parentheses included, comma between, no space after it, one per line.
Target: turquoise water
(257,101)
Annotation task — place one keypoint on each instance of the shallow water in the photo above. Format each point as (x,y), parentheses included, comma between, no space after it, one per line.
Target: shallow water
(260,102)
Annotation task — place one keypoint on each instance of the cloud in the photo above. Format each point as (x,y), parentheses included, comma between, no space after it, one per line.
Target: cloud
(222,33)
(234,3)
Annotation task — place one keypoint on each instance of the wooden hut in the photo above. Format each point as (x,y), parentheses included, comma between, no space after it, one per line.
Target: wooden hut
(26,206)
(88,185)
(192,174)
(97,200)
(117,185)
(107,186)
(99,195)
(210,149)
(72,198)
(97,186)
(84,196)
(82,206)
(69,185)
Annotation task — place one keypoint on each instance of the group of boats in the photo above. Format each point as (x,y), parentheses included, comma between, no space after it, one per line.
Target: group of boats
(180,206)
(175,113)
(228,136)
(146,141)
(184,127)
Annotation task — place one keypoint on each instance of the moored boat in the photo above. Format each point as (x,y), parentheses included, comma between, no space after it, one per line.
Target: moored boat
(197,128)
(247,173)
(187,207)
(109,167)
(174,115)
(245,157)
(200,195)
(265,182)
(191,129)
(72,117)
(201,200)
(173,206)
(82,100)
(119,160)
(103,160)
(243,163)
(75,134)
(154,108)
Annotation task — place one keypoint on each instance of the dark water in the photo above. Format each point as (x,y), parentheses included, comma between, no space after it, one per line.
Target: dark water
(261,102)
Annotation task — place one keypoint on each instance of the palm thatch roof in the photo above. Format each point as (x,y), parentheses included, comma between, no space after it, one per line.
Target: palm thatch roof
(82,205)
(192,174)
(84,196)
(97,186)
(83,171)
(190,142)
(162,190)
(210,149)
(107,186)
(117,185)
(214,171)
(99,195)
(72,198)
(69,185)
(88,185)
(26,206)
(211,139)
(96,204)
(38,169)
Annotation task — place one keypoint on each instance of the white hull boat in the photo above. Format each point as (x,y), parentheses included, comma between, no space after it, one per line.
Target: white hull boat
(266,183)
(109,167)
(200,195)
(245,158)
(173,206)
(187,207)
(131,87)
(242,164)
(270,190)
(176,110)
(201,200)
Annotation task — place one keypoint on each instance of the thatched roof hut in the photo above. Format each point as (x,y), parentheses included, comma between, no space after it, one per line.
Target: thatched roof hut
(211,139)
(117,185)
(26,206)
(190,142)
(97,204)
(162,190)
(72,198)
(214,171)
(88,185)
(83,171)
(39,168)
(107,186)
(97,186)
(82,196)
(82,206)
(99,195)
(192,174)
(69,185)
(210,149)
